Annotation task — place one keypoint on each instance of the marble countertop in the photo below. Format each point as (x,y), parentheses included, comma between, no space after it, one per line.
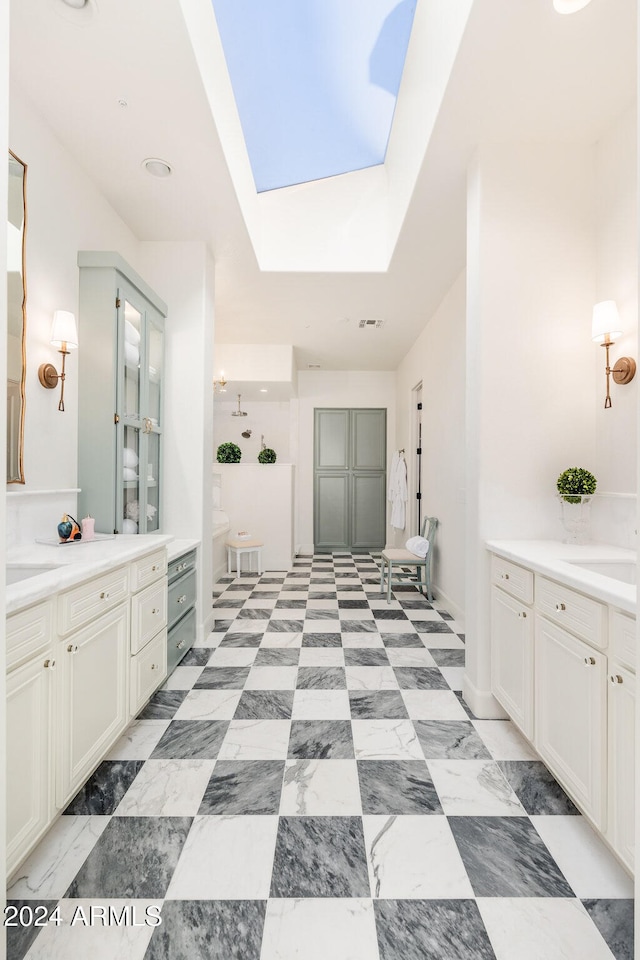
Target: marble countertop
(177,547)
(73,563)
(553,559)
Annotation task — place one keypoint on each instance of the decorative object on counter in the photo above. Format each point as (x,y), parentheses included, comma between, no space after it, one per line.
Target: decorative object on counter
(576,482)
(88,528)
(229,453)
(64,336)
(605,326)
(69,529)
(239,412)
(575,487)
(267,455)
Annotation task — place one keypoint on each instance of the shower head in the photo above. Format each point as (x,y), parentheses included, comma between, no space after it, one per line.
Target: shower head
(239,412)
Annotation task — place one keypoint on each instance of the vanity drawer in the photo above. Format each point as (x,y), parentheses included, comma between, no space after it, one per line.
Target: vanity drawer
(181,565)
(148,614)
(148,670)
(512,579)
(28,632)
(182,596)
(83,603)
(622,628)
(148,569)
(581,615)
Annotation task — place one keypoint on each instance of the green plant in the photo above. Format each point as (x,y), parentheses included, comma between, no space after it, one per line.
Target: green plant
(267,455)
(575,482)
(229,453)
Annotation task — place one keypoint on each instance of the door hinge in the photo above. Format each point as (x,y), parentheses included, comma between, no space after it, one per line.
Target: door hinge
(419,451)
(420,406)
(418,496)
(116,418)
(117,302)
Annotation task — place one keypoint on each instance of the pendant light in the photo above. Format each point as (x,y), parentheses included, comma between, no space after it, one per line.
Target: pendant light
(239,412)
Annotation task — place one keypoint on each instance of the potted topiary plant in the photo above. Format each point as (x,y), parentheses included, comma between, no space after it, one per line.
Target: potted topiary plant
(575,487)
(229,453)
(267,455)
(575,483)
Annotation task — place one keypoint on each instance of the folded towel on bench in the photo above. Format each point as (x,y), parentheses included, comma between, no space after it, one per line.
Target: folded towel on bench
(418,545)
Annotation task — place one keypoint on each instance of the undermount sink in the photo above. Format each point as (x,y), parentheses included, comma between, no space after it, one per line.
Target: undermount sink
(22,571)
(623,570)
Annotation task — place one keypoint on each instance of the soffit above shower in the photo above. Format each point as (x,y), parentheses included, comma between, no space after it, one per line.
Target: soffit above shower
(315,82)
(257,371)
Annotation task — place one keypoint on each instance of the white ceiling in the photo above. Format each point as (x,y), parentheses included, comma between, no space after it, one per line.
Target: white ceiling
(522,73)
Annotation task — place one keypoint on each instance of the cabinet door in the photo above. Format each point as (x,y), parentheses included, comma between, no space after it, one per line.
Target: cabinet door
(570,715)
(93,703)
(29,765)
(621,715)
(367,510)
(332,511)
(512,628)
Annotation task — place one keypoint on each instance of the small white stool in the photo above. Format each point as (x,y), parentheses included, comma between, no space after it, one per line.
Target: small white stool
(240,547)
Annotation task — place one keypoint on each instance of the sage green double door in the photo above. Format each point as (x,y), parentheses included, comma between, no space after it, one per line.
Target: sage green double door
(350,457)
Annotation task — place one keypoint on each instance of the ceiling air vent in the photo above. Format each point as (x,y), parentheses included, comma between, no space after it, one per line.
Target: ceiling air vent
(314,366)
(371,324)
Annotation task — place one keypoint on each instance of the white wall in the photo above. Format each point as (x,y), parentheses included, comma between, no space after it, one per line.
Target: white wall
(183,275)
(334,388)
(66,213)
(437,360)
(258,498)
(613,518)
(530,398)
(271,420)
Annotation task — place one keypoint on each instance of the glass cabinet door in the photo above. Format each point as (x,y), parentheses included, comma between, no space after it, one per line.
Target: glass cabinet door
(131,345)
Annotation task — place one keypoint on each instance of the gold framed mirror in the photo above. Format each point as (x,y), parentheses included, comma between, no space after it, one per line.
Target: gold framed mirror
(16,317)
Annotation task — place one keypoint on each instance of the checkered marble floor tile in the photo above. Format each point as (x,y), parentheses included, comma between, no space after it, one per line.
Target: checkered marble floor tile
(308,784)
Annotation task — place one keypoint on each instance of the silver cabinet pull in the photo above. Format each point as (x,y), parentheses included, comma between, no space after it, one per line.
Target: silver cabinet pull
(182,598)
(590,661)
(50,663)
(505,576)
(104,595)
(72,648)
(560,607)
(522,615)
(616,678)
(154,568)
(153,666)
(154,611)
(180,645)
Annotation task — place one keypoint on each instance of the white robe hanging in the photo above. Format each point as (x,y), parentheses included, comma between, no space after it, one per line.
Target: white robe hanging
(398,491)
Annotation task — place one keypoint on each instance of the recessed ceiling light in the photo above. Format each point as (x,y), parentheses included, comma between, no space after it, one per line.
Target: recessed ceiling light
(569,6)
(263,390)
(156,167)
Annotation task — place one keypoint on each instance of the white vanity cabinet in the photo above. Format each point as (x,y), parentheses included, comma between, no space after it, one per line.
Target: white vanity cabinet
(30,689)
(570,715)
(148,628)
(92,709)
(80,665)
(563,667)
(512,641)
(621,719)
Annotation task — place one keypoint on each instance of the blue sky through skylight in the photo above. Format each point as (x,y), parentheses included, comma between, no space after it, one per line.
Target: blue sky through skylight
(315,82)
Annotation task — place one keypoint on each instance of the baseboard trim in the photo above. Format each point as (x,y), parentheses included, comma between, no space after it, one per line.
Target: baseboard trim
(450,605)
(482,703)
(207,626)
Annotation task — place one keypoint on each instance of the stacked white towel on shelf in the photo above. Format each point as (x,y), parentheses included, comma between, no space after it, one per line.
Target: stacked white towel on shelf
(418,545)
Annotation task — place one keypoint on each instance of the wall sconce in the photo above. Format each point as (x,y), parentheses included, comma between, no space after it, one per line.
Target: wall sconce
(606,326)
(220,383)
(64,336)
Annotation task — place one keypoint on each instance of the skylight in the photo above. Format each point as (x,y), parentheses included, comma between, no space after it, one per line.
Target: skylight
(315,82)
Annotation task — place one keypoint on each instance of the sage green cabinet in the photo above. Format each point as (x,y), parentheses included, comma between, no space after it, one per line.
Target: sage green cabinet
(350,454)
(121,329)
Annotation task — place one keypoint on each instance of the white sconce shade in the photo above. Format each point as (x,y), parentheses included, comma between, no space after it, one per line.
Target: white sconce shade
(569,6)
(64,330)
(606,320)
